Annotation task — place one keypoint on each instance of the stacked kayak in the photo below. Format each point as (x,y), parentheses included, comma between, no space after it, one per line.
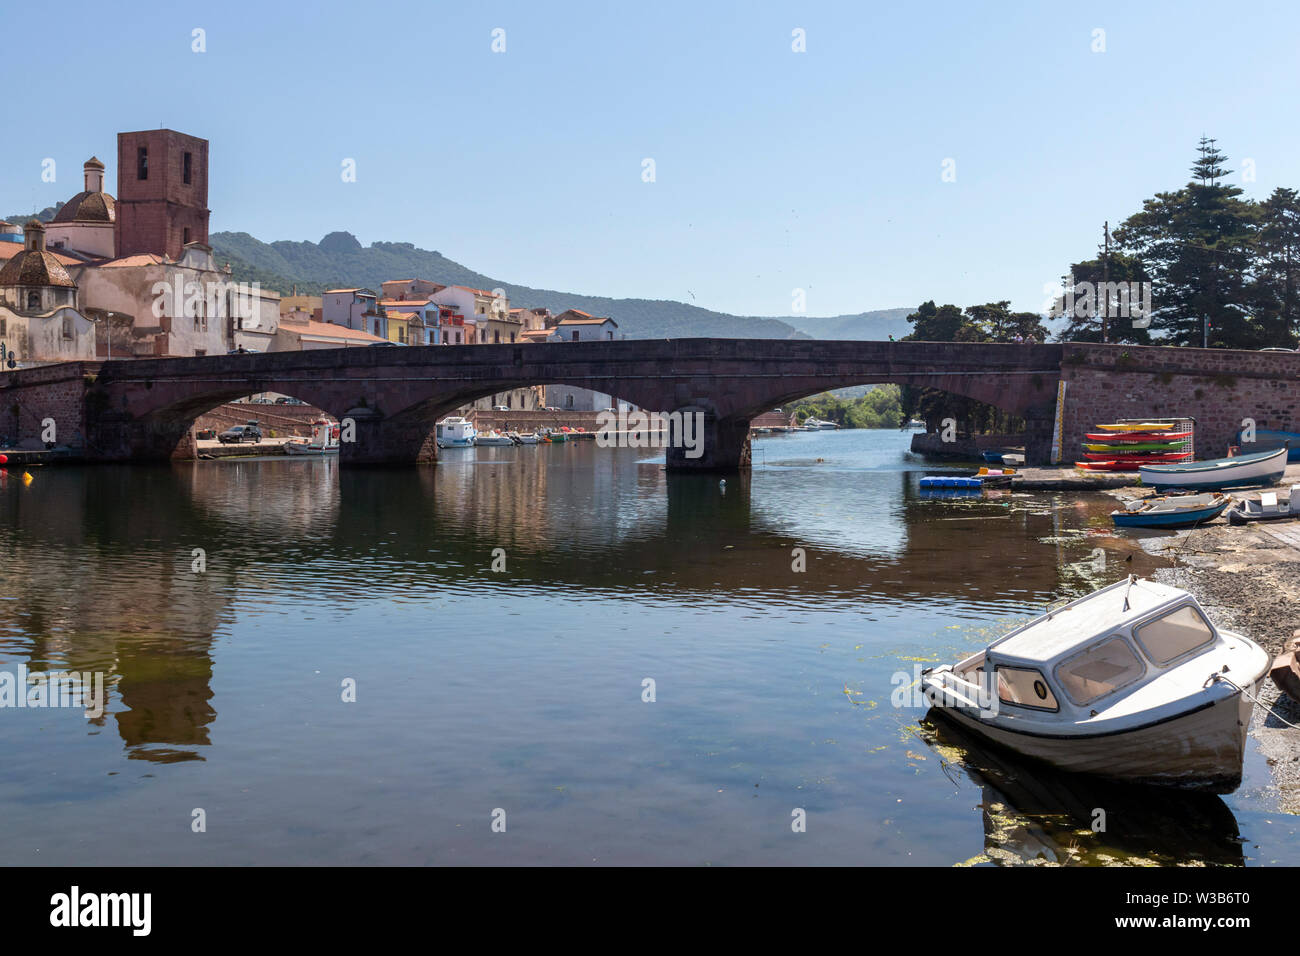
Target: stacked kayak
(1129,446)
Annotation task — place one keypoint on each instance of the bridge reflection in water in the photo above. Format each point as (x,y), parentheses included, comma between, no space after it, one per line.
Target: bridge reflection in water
(99,577)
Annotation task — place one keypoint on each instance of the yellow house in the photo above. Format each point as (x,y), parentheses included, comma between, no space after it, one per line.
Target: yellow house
(399,326)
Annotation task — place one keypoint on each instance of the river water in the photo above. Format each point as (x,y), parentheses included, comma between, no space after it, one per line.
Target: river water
(497,619)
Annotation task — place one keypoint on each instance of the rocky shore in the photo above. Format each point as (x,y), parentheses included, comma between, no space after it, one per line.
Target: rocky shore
(1248,579)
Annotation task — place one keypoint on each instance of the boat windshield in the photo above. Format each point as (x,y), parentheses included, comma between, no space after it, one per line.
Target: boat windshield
(1026,687)
(1100,670)
(1174,634)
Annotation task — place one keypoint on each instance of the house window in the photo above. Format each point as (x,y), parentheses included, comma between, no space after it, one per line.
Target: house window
(496,337)
(67,326)
(3,327)
(185,173)
(142,162)
(575,335)
(185,236)
(568,401)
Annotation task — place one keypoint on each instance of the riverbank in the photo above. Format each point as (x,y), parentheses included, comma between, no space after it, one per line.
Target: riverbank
(1248,579)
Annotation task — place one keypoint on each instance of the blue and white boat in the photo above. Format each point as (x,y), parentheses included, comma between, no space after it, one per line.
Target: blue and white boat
(1258,469)
(1267,439)
(1172,511)
(455,432)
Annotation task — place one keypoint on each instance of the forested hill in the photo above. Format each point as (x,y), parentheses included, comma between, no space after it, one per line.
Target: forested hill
(339,260)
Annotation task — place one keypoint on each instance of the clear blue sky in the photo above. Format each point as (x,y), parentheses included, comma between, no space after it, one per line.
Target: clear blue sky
(775,170)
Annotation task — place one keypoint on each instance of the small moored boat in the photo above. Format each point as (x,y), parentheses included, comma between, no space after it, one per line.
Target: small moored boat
(493,438)
(1171,511)
(1260,468)
(1132,682)
(1269,506)
(324,440)
(455,432)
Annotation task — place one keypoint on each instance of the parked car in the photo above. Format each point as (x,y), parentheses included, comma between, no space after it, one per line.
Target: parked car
(500,408)
(239,434)
(380,345)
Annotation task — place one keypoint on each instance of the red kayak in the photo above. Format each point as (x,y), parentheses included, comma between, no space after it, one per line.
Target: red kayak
(1113,437)
(1108,465)
(1149,458)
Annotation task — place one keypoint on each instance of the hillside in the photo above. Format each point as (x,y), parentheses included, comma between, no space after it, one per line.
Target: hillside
(339,260)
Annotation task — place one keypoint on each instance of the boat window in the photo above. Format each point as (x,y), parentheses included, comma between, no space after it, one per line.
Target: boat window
(1174,634)
(1099,670)
(1026,687)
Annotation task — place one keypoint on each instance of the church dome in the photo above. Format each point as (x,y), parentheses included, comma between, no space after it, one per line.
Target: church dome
(34,266)
(87,207)
(92,204)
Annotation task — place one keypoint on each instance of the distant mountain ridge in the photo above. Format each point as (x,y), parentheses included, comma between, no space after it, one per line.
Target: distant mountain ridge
(339,260)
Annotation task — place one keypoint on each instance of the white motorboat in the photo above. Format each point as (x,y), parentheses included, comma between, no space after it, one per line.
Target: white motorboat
(493,438)
(530,439)
(455,432)
(324,440)
(1132,682)
(819,424)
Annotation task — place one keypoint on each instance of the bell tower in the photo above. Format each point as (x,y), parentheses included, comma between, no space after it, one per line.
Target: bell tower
(162,192)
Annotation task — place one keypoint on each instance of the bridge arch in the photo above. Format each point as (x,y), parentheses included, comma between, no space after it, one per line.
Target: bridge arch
(395,395)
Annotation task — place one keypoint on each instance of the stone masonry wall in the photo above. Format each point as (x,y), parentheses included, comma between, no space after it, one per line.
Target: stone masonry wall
(1216,387)
(29,396)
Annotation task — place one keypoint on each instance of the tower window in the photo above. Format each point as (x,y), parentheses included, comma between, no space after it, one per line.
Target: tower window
(142,162)
(33,300)
(186,173)
(185,240)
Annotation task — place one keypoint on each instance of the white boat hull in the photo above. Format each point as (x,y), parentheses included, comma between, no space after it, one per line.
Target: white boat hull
(300,448)
(1200,749)
(1226,473)
(456,443)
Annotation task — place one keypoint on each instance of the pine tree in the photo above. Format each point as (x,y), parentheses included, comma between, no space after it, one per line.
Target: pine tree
(1198,246)
(1277,289)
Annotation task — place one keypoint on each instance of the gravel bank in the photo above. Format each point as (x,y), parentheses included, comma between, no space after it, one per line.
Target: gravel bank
(1249,581)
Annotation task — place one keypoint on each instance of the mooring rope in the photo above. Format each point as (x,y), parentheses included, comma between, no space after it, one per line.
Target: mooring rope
(1251,697)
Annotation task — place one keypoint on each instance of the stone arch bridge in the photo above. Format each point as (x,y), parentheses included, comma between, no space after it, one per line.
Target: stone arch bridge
(144,409)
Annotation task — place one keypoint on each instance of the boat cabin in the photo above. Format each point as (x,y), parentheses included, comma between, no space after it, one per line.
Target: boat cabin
(455,431)
(1096,653)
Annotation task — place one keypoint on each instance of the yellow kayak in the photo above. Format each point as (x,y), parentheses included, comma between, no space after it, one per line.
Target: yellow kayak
(1138,427)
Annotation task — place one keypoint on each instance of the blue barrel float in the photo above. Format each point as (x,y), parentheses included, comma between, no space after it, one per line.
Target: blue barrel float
(951,481)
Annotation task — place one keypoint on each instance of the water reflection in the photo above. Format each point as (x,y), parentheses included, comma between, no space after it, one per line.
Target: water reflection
(1033,814)
(613,569)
